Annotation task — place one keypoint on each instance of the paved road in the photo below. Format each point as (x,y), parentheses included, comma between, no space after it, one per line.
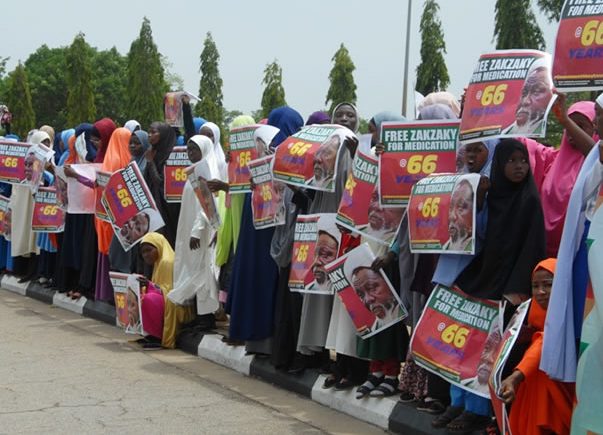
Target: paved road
(62,373)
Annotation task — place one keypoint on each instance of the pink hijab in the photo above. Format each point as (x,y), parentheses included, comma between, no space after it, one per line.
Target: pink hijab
(559,181)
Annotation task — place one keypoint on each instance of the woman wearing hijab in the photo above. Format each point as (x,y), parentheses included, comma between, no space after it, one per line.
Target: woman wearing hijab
(578,138)
(61,151)
(212,131)
(157,253)
(230,208)
(514,244)
(251,296)
(325,324)
(23,240)
(119,259)
(193,268)
(100,135)
(319,117)
(117,156)
(162,139)
(132,125)
(540,404)
(78,245)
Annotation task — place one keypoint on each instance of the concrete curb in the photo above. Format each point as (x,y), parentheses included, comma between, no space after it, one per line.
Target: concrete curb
(387,413)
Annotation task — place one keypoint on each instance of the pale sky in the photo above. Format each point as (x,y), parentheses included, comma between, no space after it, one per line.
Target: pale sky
(303,36)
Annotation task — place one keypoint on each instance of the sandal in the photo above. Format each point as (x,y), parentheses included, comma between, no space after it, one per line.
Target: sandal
(388,387)
(76,295)
(444,419)
(371,383)
(330,381)
(344,384)
(468,422)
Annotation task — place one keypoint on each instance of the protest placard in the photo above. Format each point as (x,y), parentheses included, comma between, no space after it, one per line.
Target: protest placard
(456,338)
(509,337)
(47,216)
(509,95)
(441,214)
(267,199)
(128,311)
(130,206)
(367,295)
(310,157)
(73,196)
(102,178)
(172,106)
(243,149)
(5,217)
(315,243)
(359,209)
(23,163)
(413,151)
(198,175)
(174,175)
(579,47)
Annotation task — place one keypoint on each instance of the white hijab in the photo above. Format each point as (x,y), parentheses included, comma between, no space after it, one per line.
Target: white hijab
(218,151)
(208,154)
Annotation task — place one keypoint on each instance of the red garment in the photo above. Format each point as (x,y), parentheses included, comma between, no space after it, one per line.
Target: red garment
(105,128)
(389,367)
(541,404)
(152,308)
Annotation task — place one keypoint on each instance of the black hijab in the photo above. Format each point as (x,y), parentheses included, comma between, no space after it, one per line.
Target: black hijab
(167,141)
(515,237)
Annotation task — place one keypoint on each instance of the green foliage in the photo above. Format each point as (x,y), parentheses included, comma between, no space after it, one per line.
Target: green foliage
(146,84)
(210,106)
(515,26)
(48,83)
(257,115)
(110,70)
(363,126)
(229,115)
(554,130)
(80,88)
(551,8)
(18,99)
(342,87)
(174,81)
(432,74)
(274,93)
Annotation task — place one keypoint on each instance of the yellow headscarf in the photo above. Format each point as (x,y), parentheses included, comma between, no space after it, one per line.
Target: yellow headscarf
(163,269)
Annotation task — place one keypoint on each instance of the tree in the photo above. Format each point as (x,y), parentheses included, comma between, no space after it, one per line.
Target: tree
(342,88)
(80,89)
(229,115)
(210,87)
(174,80)
(515,26)
(551,8)
(274,93)
(432,74)
(48,83)
(110,71)
(19,101)
(146,79)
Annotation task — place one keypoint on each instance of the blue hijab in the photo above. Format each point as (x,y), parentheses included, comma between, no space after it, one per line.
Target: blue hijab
(61,156)
(143,137)
(198,123)
(86,128)
(288,120)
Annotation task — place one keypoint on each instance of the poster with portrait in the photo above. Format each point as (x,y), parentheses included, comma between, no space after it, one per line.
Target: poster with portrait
(309,158)
(47,216)
(102,178)
(509,95)
(579,47)
(198,174)
(502,353)
(23,163)
(130,206)
(316,242)
(268,197)
(174,175)
(172,107)
(441,214)
(367,295)
(61,185)
(456,338)
(5,217)
(359,209)
(243,149)
(412,151)
(128,312)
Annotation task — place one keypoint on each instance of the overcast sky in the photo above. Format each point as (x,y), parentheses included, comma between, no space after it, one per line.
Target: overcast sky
(303,36)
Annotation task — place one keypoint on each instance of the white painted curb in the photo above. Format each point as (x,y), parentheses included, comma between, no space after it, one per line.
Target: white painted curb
(214,349)
(63,301)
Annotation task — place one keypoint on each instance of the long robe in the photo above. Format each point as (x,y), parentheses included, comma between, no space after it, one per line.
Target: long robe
(23,239)
(193,270)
